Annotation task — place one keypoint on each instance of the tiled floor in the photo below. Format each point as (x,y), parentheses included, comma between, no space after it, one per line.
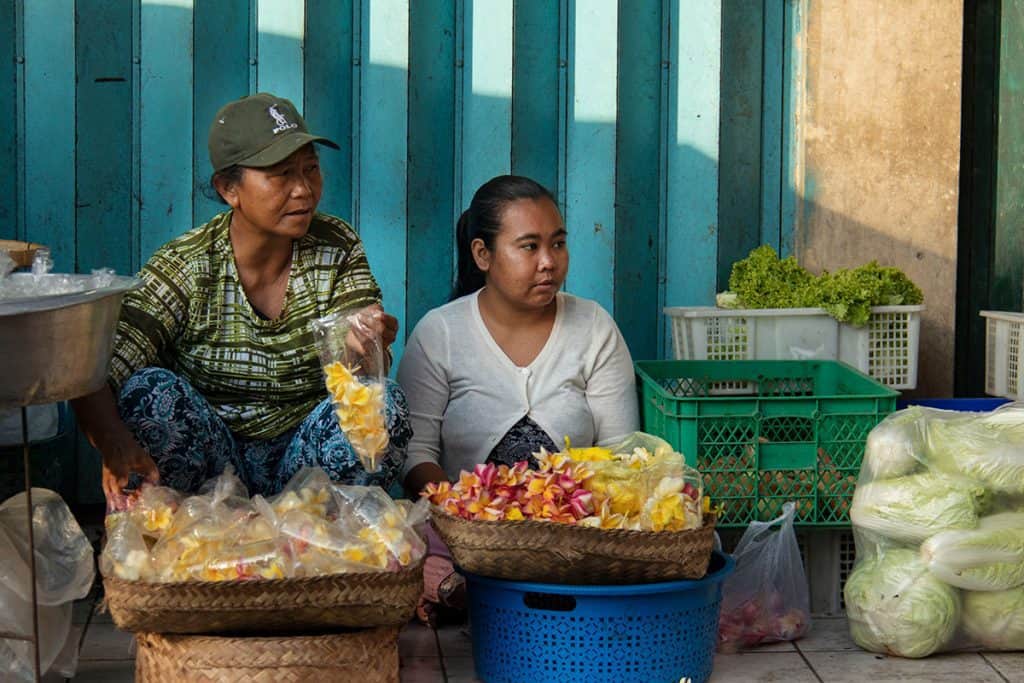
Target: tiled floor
(427,656)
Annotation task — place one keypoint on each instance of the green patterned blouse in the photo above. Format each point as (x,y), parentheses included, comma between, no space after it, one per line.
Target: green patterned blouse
(192,317)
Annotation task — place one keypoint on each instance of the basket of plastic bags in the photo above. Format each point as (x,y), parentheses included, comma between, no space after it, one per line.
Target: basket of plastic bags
(317,555)
(938,518)
(632,513)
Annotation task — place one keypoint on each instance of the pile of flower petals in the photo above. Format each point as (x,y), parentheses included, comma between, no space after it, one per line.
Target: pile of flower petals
(567,491)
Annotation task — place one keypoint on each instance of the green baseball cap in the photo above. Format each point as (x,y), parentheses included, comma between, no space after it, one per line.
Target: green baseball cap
(258,131)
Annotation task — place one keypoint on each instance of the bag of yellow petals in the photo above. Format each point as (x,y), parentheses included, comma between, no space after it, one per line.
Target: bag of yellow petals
(353,359)
(641,483)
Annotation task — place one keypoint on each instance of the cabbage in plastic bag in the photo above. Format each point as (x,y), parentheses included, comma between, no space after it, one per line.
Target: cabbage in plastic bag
(987,447)
(994,620)
(912,508)
(895,447)
(894,605)
(988,558)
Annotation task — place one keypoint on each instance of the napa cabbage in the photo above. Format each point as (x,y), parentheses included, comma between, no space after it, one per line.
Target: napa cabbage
(894,605)
(988,558)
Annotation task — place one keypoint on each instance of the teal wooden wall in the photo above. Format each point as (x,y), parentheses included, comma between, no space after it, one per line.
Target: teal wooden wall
(661,125)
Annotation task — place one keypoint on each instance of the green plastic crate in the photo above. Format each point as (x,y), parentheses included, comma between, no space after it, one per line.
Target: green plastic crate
(763,432)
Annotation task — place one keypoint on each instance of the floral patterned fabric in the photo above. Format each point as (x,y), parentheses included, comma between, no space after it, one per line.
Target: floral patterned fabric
(520,443)
(191,443)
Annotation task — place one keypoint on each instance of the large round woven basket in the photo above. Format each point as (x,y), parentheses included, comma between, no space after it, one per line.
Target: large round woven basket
(548,552)
(366,656)
(334,601)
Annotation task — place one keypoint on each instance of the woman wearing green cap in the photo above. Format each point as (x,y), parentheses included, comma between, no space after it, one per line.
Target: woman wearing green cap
(214,360)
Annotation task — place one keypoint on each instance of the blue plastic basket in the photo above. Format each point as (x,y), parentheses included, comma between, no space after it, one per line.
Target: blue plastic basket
(646,633)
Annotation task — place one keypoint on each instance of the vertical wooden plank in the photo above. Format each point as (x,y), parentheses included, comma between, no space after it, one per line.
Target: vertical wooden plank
(691,235)
(794,183)
(535,88)
(328,93)
(739,209)
(104,155)
(49,33)
(590,149)
(1009,172)
(165,126)
(221,74)
(431,155)
(772,77)
(638,176)
(487,93)
(280,25)
(9,102)
(383,144)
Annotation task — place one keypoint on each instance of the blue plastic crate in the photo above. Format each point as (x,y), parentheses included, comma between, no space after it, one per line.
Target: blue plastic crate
(646,633)
(971,405)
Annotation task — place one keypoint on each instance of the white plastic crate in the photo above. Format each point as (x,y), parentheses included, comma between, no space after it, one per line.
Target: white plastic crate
(1002,354)
(886,348)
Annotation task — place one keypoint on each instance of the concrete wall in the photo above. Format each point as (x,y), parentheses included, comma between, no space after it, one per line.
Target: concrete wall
(879,127)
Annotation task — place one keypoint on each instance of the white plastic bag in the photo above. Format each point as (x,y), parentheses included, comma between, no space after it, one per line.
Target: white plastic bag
(766,600)
(64,573)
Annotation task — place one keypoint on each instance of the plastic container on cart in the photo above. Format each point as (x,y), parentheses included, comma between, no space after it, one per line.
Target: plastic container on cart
(1003,372)
(645,633)
(765,432)
(886,348)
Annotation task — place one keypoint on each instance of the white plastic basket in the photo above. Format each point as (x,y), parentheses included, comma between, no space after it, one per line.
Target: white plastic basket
(886,348)
(1003,331)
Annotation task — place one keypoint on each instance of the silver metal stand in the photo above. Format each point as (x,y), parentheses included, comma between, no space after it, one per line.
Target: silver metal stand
(34,638)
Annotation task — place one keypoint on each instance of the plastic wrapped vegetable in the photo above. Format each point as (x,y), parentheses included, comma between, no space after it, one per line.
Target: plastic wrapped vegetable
(988,558)
(894,605)
(355,381)
(939,513)
(895,447)
(988,447)
(912,508)
(994,620)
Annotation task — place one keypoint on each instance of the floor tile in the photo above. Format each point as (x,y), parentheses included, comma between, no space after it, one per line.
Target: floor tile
(455,641)
(1009,664)
(421,670)
(460,670)
(828,634)
(751,667)
(104,642)
(856,667)
(417,640)
(105,672)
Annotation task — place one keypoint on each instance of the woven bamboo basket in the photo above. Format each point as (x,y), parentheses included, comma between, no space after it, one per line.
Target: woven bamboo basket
(334,601)
(366,656)
(548,552)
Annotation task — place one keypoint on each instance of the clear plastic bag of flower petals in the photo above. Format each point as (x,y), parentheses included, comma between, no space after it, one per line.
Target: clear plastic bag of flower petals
(382,523)
(310,489)
(674,497)
(154,510)
(352,356)
(319,546)
(125,554)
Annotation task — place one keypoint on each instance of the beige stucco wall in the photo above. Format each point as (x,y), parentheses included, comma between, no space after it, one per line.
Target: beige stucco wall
(878,166)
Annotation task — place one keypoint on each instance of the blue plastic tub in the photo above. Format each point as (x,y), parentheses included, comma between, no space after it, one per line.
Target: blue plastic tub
(645,633)
(972,405)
